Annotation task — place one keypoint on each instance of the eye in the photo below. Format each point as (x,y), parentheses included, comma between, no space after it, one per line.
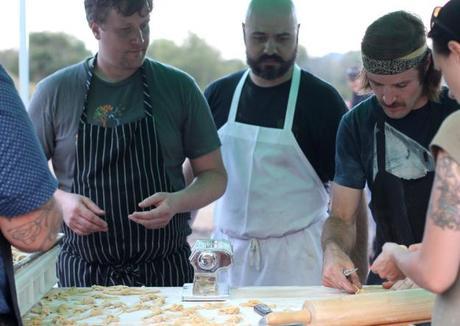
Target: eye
(374,84)
(283,38)
(259,37)
(145,27)
(125,31)
(401,85)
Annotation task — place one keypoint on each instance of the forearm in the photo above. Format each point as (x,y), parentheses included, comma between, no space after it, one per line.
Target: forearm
(426,269)
(349,236)
(35,231)
(338,235)
(203,190)
(359,253)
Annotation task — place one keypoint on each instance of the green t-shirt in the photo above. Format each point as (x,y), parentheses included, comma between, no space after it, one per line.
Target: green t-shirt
(183,119)
(114,104)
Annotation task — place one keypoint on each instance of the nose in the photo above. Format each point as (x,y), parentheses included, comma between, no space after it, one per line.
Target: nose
(138,37)
(270,47)
(388,97)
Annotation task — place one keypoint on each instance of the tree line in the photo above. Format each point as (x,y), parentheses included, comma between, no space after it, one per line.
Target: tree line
(51,51)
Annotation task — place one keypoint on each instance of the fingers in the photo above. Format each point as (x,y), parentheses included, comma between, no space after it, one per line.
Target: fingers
(81,216)
(335,278)
(153,200)
(92,206)
(160,215)
(388,284)
(90,221)
(154,219)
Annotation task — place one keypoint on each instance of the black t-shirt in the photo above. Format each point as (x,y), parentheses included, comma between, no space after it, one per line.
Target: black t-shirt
(355,148)
(318,112)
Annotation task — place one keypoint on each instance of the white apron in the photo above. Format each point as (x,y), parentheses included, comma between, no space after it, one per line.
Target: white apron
(275,204)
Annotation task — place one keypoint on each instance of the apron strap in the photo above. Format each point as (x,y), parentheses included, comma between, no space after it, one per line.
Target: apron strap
(380,137)
(292,101)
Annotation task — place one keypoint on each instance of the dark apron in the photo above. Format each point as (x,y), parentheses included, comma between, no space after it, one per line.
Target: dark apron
(117,168)
(398,206)
(15,317)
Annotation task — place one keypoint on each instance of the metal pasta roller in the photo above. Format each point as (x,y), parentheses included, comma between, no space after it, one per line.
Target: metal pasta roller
(208,258)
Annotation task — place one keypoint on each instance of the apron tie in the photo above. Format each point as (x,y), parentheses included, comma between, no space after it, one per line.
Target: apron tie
(125,274)
(254,254)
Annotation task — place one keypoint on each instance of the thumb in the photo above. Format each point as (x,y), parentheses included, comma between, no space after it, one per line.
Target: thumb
(153,200)
(388,284)
(92,206)
(354,279)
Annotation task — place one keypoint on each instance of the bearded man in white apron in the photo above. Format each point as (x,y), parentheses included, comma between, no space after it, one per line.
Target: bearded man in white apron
(277,126)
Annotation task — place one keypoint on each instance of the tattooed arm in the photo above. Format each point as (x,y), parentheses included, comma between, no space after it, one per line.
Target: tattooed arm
(34,231)
(435,265)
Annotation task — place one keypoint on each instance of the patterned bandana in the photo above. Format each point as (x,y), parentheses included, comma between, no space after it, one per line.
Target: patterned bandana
(395,66)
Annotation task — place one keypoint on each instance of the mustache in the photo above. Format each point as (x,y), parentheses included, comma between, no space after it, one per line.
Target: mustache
(272,57)
(394,105)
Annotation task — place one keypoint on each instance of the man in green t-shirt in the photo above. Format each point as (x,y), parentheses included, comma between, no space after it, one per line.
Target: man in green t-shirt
(117,128)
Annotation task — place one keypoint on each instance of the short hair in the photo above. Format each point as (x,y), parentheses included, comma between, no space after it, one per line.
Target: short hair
(394,36)
(97,10)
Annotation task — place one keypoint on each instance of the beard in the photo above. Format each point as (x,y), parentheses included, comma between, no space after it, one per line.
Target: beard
(270,72)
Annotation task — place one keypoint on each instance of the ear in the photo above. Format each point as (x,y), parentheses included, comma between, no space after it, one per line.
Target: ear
(454,48)
(244,32)
(297,38)
(96,30)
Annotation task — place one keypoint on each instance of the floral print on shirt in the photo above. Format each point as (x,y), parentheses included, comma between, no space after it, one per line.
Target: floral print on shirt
(108,115)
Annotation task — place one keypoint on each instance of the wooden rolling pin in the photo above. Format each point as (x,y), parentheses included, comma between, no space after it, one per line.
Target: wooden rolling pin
(378,308)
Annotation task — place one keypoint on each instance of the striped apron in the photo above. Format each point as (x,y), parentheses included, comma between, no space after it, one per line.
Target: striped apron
(117,168)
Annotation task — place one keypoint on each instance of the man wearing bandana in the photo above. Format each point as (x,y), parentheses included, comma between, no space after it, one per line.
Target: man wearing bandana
(384,142)
(277,124)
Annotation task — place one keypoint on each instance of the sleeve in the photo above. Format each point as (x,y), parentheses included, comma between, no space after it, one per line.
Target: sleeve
(25,180)
(448,137)
(200,134)
(40,109)
(349,170)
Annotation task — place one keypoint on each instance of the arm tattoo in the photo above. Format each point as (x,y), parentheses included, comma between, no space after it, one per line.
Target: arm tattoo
(29,232)
(444,208)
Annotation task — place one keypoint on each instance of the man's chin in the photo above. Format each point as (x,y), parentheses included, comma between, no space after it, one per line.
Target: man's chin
(396,113)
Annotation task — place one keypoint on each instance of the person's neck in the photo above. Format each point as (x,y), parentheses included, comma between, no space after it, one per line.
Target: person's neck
(111,73)
(261,82)
(422,101)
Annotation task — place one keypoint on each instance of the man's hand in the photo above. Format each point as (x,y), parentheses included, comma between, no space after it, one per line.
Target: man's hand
(164,208)
(81,214)
(335,261)
(385,265)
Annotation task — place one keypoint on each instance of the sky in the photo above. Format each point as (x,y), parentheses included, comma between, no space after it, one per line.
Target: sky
(326,26)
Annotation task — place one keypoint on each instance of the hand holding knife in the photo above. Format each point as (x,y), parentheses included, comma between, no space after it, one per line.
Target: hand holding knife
(347,273)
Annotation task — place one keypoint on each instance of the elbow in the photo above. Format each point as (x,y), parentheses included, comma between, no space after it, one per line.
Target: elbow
(438,287)
(220,180)
(37,246)
(439,284)
(224,182)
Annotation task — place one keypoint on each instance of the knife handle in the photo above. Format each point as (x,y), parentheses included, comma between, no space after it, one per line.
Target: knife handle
(288,317)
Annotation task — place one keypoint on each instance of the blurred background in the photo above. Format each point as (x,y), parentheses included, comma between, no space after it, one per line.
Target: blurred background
(201,37)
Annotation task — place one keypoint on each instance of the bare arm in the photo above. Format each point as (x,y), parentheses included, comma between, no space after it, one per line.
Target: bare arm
(344,238)
(435,265)
(34,231)
(209,183)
